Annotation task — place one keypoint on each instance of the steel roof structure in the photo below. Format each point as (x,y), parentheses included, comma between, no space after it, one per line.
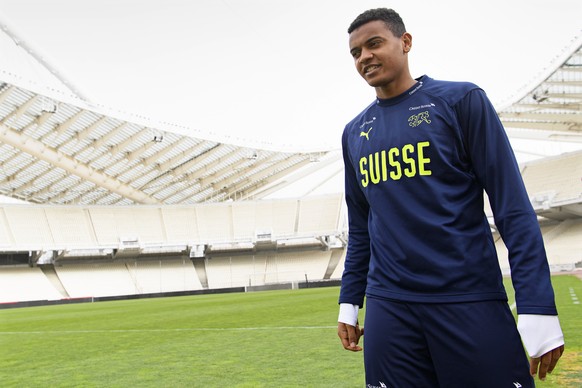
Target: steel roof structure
(58,153)
(552,108)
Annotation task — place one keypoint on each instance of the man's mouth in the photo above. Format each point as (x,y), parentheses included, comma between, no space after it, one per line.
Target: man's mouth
(370,68)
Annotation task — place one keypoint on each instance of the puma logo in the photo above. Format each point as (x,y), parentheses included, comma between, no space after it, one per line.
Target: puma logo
(366,133)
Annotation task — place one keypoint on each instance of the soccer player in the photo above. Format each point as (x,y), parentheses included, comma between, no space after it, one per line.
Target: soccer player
(420,250)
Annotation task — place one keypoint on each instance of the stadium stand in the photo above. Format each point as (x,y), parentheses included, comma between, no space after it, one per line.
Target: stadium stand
(161,276)
(102,251)
(247,270)
(298,266)
(564,244)
(22,283)
(90,280)
(127,278)
(86,227)
(339,268)
(555,185)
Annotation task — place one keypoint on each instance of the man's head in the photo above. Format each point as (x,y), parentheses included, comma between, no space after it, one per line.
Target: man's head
(379,45)
(390,17)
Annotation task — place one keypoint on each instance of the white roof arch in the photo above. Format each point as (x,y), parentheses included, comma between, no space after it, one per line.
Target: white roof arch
(551,108)
(56,152)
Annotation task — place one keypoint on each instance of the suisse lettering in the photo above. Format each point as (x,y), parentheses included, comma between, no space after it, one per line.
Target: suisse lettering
(408,161)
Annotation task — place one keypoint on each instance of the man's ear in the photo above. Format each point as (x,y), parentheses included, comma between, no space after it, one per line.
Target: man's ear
(406,42)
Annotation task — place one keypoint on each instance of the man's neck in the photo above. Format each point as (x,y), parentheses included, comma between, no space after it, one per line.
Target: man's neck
(395,88)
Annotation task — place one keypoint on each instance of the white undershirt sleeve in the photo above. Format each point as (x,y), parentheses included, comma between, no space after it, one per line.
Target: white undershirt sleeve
(348,314)
(540,333)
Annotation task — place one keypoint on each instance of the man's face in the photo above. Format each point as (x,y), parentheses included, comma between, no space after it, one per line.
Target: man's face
(379,56)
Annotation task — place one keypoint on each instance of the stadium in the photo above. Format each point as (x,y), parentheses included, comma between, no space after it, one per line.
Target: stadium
(105,206)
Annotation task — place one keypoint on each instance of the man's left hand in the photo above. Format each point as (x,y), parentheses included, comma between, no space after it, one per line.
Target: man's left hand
(546,363)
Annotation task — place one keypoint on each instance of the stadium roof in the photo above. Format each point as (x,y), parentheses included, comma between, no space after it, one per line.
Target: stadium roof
(57,148)
(57,152)
(552,108)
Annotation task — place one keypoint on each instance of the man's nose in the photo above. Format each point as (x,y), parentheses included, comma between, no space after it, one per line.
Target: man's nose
(365,56)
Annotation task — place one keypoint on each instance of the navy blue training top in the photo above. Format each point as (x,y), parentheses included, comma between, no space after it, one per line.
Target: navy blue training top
(416,167)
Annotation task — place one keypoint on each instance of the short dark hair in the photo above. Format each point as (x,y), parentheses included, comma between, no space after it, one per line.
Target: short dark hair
(390,17)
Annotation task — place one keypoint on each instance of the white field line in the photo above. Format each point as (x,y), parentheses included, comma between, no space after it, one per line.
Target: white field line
(266,328)
(573,296)
(512,306)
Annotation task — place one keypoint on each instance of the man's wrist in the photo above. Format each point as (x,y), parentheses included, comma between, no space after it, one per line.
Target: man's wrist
(348,314)
(540,333)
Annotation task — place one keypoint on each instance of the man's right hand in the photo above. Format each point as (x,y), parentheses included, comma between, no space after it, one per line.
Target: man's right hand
(350,336)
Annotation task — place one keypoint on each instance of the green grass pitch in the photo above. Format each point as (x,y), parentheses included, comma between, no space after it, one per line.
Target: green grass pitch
(262,339)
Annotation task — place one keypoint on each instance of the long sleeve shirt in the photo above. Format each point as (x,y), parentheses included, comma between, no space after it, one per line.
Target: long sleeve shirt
(416,168)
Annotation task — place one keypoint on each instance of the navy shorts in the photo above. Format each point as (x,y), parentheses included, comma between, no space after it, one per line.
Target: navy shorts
(474,344)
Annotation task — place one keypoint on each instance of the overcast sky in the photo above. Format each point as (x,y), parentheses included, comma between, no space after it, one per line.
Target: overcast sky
(279,71)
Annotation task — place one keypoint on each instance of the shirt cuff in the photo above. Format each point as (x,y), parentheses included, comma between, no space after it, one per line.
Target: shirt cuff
(540,333)
(348,314)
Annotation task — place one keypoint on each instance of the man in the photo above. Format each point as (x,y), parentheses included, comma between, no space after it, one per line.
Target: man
(417,161)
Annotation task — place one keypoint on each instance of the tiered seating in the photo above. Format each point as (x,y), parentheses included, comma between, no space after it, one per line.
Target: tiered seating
(561,175)
(565,247)
(26,225)
(18,284)
(236,271)
(68,233)
(270,216)
(215,222)
(245,220)
(267,268)
(180,224)
(280,216)
(157,276)
(93,280)
(297,266)
(112,224)
(36,227)
(339,269)
(319,215)
(70,226)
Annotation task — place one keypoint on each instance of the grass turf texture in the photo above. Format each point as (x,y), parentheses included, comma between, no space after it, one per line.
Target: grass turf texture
(278,338)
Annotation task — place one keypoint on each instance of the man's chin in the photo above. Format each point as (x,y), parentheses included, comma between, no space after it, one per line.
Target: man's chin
(375,82)
(379,82)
